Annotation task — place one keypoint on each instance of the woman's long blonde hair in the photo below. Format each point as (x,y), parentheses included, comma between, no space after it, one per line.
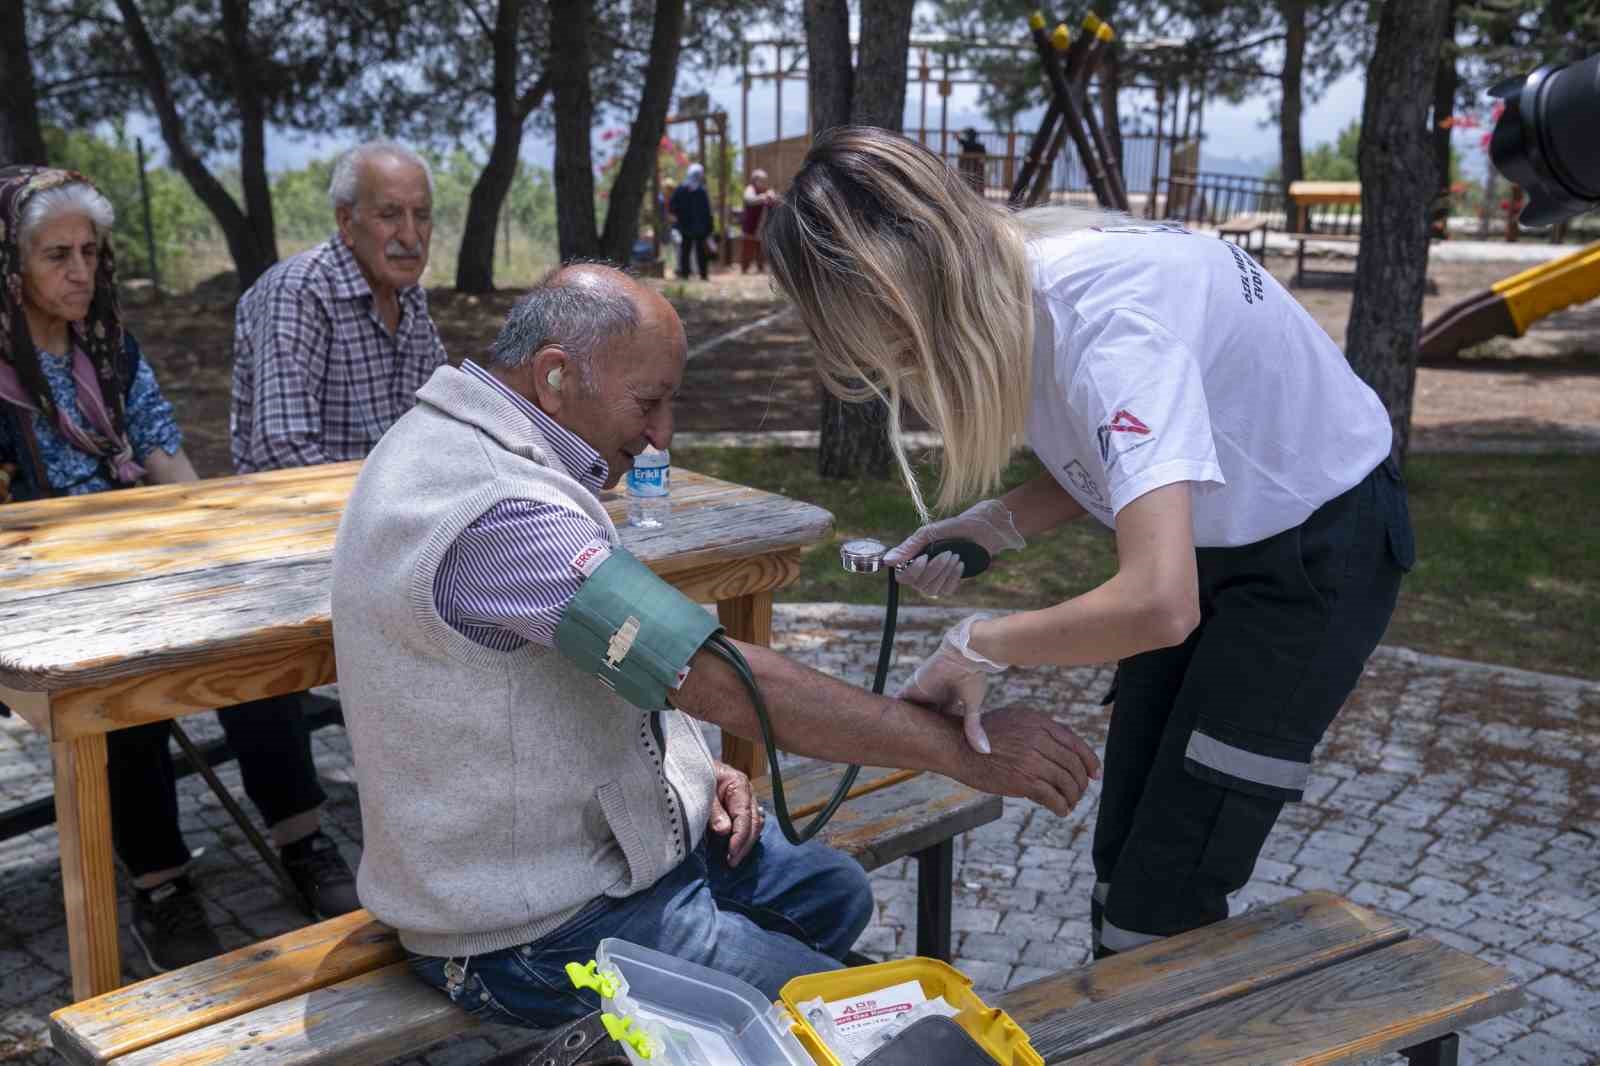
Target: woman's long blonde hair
(916,290)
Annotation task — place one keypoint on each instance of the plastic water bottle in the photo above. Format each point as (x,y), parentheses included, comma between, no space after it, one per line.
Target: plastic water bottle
(649,483)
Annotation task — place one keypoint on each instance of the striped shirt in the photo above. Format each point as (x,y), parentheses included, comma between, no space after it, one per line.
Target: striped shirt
(317,378)
(507,578)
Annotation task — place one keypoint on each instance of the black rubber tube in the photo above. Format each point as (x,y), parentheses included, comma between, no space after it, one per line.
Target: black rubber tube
(729,653)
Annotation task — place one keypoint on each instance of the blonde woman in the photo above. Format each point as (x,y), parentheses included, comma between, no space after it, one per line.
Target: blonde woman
(1176,394)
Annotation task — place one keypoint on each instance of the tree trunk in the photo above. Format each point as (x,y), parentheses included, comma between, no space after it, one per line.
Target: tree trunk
(830,70)
(21,138)
(250,260)
(252,129)
(475,258)
(1445,83)
(879,95)
(571,22)
(854,437)
(644,137)
(1291,156)
(1398,179)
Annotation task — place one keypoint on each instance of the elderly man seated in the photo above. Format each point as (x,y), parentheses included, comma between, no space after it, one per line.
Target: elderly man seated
(516,809)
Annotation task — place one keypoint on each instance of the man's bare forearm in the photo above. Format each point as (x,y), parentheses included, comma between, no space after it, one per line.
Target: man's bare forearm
(820,716)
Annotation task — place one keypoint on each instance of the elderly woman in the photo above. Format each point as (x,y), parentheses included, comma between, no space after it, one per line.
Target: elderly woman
(80,412)
(1177,394)
(758,196)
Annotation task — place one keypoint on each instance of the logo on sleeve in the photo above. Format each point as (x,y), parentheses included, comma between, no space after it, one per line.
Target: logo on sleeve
(1088,490)
(1122,422)
(590,556)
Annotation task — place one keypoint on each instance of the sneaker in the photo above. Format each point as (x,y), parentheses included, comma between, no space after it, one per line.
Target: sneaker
(321,874)
(170,925)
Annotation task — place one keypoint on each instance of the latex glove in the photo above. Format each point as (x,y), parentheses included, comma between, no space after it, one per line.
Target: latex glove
(988,523)
(954,679)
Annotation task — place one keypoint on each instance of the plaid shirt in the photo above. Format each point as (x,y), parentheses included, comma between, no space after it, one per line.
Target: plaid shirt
(507,578)
(316,376)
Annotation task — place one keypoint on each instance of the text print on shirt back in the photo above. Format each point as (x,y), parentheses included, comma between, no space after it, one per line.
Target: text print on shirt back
(1249,277)
(1142,227)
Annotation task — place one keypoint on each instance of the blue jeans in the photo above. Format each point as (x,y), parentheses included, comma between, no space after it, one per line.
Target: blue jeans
(783,912)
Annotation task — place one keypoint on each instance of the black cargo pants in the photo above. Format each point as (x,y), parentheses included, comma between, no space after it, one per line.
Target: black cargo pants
(1209,739)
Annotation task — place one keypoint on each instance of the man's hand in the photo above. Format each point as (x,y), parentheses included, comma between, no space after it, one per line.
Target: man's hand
(1032,756)
(7,471)
(735,813)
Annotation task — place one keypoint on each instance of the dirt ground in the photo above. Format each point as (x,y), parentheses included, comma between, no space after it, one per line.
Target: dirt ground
(1541,391)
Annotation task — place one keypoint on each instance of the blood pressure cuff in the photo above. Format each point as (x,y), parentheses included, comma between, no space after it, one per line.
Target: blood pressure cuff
(630,629)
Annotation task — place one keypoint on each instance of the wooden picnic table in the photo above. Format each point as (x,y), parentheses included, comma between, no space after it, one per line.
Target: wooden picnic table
(148,604)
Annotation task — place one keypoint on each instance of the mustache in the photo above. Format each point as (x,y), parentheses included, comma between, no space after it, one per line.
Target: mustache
(397,250)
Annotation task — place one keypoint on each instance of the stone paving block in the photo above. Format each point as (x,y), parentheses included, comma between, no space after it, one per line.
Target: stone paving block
(1276,872)
(1030,926)
(972,920)
(1497,934)
(1563,958)
(1380,897)
(1056,955)
(995,947)
(1580,1028)
(1438,889)
(1547,1050)
(1565,991)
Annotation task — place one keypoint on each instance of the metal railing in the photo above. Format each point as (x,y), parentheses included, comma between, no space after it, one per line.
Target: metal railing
(1211,199)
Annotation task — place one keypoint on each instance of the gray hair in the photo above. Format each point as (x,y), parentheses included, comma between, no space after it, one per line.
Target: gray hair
(579,318)
(78,198)
(342,186)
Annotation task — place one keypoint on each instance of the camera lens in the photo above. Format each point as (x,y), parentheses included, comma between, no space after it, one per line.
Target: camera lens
(1548,139)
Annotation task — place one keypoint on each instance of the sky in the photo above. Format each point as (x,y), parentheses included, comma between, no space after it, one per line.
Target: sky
(1240,138)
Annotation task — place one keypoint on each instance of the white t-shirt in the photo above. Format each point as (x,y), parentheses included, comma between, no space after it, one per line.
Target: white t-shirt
(1164,356)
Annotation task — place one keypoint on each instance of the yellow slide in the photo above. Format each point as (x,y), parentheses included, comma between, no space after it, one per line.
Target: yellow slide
(1509,306)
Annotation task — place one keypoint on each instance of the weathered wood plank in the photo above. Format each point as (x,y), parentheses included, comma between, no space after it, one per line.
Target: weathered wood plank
(144,533)
(167,1013)
(747,618)
(129,609)
(357,1022)
(883,826)
(1389,999)
(167,1005)
(1116,998)
(83,820)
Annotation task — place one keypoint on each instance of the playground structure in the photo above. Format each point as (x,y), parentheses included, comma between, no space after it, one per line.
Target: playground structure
(1068,65)
(1509,306)
(1146,157)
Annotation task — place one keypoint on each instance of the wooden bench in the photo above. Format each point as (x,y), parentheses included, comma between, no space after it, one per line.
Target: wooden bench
(1323,278)
(341,992)
(1322,211)
(1313,979)
(1241,227)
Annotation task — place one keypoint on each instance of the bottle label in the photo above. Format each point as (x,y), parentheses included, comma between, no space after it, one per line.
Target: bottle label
(649,480)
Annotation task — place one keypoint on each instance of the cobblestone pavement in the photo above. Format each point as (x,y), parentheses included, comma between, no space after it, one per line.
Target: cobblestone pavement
(1461,798)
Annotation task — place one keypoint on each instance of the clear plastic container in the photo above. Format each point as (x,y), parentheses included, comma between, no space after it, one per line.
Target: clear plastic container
(694,1016)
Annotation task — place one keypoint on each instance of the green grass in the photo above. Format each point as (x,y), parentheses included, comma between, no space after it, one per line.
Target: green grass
(1508,569)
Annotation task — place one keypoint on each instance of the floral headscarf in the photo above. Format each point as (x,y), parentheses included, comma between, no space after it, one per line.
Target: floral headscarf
(99,336)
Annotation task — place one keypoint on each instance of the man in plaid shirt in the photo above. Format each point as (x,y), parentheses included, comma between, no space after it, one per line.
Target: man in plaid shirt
(331,345)
(329,349)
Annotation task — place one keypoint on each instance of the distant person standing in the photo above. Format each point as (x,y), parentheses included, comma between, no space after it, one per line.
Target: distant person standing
(973,157)
(691,213)
(758,196)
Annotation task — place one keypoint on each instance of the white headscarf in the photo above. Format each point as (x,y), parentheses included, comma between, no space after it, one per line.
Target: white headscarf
(696,176)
